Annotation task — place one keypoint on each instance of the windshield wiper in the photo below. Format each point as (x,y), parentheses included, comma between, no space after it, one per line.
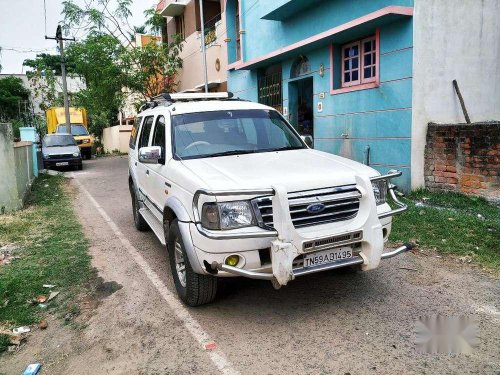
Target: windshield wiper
(231,152)
(287,148)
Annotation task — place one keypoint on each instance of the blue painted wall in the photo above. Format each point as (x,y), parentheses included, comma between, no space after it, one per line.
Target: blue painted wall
(379,118)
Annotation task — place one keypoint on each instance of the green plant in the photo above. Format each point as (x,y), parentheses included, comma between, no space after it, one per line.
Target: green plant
(49,241)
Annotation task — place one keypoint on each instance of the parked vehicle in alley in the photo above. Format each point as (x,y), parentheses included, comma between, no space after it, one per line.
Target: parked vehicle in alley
(56,123)
(60,150)
(231,189)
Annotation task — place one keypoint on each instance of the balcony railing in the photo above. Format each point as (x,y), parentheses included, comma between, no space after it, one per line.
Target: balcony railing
(210,29)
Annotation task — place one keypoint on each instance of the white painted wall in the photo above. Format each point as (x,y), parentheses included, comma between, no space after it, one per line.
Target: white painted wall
(453,39)
(75,84)
(116,138)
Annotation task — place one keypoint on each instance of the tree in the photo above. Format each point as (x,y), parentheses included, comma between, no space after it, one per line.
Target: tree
(13,95)
(137,30)
(43,80)
(149,69)
(100,17)
(98,61)
(155,21)
(50,62)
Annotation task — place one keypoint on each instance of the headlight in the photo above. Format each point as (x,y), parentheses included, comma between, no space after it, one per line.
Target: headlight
(227,215)
(380,191)
(46,156)
(86,141)
(76,154)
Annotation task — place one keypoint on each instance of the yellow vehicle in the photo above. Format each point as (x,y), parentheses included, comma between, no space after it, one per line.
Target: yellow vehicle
(56,123)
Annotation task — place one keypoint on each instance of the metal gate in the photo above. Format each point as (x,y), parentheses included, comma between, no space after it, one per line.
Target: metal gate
(270,91)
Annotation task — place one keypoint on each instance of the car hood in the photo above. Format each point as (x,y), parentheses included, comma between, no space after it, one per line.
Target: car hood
(296,170)
(60,150)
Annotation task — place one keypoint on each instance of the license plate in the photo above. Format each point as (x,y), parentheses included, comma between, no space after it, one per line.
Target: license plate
(62,163)
(327,256)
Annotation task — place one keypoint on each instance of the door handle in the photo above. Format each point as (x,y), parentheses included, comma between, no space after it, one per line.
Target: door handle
(147,171)
(135,164)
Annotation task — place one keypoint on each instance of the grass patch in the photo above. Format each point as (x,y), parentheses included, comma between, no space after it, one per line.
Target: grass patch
(51,248)
(449,223)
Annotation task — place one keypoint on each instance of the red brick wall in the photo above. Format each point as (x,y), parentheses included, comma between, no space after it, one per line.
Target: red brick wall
(464,158)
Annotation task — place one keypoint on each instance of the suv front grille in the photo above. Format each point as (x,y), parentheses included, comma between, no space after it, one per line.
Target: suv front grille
(340,203)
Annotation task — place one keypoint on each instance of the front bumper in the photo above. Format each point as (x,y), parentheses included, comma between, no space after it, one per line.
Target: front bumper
(52,163)
(287,240)
(301,271)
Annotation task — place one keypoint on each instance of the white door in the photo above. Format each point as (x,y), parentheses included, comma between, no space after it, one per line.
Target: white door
(142,171)
(158,179)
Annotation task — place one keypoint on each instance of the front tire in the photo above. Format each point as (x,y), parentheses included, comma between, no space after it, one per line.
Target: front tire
(140,224)
(193,289)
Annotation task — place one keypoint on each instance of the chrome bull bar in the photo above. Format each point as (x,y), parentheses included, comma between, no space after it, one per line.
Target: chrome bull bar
(300,271)
(221,235)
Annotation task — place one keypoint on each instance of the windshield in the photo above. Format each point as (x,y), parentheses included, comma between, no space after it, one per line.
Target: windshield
(58,140)
(219,133)
(76,129)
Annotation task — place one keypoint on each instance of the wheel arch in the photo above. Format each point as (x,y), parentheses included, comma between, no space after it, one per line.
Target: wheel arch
(174,209)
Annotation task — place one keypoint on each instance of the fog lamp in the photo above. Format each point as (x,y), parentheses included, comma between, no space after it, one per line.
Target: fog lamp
(232,260)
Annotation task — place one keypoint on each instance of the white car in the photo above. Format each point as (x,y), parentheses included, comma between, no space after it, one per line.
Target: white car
(233,190)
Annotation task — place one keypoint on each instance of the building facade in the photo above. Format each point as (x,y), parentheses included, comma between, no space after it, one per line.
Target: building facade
(365,77)
(184,19)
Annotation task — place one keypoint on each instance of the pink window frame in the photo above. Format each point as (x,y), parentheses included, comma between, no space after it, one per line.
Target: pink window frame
(362,61)
(373,81)
(343,59)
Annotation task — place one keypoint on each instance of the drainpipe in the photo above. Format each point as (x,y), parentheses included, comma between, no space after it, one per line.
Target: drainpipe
(366,152)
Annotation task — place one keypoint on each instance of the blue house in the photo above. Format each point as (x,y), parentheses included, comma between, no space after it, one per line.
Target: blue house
(365,77)
(339,70)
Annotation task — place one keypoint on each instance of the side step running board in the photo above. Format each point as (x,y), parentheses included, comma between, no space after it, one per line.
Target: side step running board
(154,224)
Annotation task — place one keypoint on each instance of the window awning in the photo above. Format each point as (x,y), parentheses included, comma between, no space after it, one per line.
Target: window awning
(171,8)
(287,8)
(338,34)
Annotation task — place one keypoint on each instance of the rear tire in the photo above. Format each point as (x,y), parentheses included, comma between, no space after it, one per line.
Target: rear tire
(140,224)
(193,289)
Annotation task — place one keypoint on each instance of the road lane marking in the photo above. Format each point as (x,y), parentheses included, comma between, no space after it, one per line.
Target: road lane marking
(217,356)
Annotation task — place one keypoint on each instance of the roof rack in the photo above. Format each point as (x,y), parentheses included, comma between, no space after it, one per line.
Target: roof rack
(168,99)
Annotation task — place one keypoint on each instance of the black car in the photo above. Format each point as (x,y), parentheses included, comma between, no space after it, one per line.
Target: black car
(60,150)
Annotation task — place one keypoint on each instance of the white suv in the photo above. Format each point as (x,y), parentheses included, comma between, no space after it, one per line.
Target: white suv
(233,190)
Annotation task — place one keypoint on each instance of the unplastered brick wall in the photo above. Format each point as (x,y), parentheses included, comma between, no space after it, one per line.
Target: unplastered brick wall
(464,158)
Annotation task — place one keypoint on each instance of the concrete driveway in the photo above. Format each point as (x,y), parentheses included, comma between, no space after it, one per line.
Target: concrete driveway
(328,323)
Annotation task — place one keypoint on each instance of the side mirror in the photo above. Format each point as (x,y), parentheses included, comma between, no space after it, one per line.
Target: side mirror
(308,140)
(150,155)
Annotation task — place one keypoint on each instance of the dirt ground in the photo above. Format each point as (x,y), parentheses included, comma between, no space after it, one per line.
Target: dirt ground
(327,323)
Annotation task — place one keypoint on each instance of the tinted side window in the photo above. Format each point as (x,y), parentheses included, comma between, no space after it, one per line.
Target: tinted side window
(133,133)
(145,131)
(159,133)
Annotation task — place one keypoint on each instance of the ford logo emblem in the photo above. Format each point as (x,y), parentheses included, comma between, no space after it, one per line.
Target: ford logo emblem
(315,208)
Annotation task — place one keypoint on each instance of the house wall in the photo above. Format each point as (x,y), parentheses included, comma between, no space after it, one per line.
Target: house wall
(16,166)
(192,73)
(464,158)
(116,138)
(378,118)
(453,40)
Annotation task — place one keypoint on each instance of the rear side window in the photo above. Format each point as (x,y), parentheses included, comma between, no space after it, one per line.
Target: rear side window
(145,131)
(159,132)
(133,133)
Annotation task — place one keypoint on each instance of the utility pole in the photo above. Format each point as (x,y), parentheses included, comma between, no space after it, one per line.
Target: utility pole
(203,47)
(59,38)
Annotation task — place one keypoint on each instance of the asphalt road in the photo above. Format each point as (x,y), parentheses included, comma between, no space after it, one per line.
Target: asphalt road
(327,323)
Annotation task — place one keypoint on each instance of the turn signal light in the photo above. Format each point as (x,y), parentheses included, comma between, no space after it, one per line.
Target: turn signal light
(232,260)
